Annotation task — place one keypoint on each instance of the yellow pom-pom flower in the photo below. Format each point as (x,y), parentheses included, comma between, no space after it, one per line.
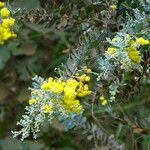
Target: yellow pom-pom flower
(134,55)
(104,101)
(111,50)
(114,7)
(5,12)
(8,22)
(85,68)
(77,74)
(70,90)
(47,108)
(102,98)
(87,78)
(56,86)
(89,71)
(142,41)
(1,4)
(32,101)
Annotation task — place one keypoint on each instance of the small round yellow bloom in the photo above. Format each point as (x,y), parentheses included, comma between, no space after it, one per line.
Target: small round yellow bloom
(89,92)
(47,108)
(111,50)
(13,35)
(114,39)
(87,78)
(133,43)
(77,74)
(102,98)
(105,102)
(32,101)
(1,4)
(84,68)
(114,7)
(134,55)
(50,79)
(5,12)
(8,22)
(142,41)
(45,86)
(88,70)
(86,87)
(82,78)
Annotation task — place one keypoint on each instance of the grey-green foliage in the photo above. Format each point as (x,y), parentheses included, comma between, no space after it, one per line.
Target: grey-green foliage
(101,137)
(109,64)
(145,4)
(88,41)
(35,115)
(78,57)
(96,133)
(136,24)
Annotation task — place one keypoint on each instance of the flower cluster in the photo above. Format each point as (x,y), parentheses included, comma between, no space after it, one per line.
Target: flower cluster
(6,24)
(130,46)
(54,98)
(113,7)
(71,89)
(103,100)
(125,54)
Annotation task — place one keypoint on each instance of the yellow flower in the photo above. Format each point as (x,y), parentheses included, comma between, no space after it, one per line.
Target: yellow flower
(5,12)
(69,98)
(77,74)
(5,34)
(6,25)
(84,68)
(142,41)
(13,35)
(82,78)
(88,70)
(86,87)
(135,56)
(102,98)
(127,36)
(130,49)
(116,39)
(105,102)
(87,78)
(114,7)
(111,50)
(69,90)
(56,86)
(1,4)
(45,86)
(32,101)
(47,108)
(77,106)
(8,22)
(72,89)
(133,43)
